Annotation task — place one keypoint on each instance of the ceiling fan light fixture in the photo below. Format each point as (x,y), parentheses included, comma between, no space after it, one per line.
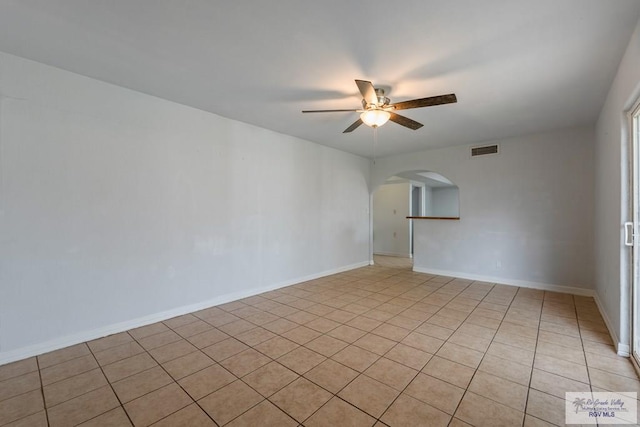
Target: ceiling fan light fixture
(375,118)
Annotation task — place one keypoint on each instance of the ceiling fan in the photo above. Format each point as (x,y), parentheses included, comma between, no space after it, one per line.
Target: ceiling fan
(377,109)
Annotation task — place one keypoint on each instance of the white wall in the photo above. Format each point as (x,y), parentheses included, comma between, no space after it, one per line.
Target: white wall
(428,201)
(390,223)
(445,201)
(612,193)
(526,214)
(118,208)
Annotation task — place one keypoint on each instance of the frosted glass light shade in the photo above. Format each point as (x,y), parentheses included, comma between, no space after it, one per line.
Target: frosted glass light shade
(375,118)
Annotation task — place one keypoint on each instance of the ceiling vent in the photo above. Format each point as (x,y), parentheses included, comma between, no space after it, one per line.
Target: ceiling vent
(484,150)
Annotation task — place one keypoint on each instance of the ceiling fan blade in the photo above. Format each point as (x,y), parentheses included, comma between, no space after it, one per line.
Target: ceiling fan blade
(405,121)
(426,102)
(353,127)
(368,91)
(328,111)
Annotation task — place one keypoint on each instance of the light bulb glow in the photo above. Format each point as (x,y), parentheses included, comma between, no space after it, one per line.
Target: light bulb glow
(374,118)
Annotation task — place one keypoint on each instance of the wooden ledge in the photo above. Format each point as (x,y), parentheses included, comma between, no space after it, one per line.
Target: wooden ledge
(454,218)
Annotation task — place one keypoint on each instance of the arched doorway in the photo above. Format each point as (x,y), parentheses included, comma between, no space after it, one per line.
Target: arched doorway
(416,193)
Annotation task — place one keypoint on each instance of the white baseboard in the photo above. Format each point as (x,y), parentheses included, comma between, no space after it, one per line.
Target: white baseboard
(58,343)
(622,349)
(511,282)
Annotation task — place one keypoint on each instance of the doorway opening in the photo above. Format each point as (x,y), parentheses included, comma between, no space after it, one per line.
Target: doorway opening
(406,194)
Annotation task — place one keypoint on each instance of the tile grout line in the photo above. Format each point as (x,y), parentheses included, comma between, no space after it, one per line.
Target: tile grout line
(44,401)
(586,362)
(533,362)
(484,353)
(434,354)
(250,372)
(560,375)
(76,375)
(175,381)
(359,373)
(146,370)
(110,386)
(335,361)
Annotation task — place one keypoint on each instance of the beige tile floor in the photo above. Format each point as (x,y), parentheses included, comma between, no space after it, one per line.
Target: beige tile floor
(380,346)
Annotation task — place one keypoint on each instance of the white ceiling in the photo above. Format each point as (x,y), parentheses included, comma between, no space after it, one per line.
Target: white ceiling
(516,66)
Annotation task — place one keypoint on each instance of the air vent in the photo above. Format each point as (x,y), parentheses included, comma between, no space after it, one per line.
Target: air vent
(484,150)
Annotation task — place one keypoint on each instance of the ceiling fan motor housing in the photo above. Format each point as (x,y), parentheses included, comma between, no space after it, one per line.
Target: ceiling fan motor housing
(382,100)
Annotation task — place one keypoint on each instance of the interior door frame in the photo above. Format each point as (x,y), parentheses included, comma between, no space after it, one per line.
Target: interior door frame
(634,164)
